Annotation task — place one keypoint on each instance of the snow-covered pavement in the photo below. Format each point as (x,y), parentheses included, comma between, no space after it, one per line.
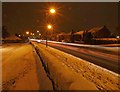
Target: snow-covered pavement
(19,70)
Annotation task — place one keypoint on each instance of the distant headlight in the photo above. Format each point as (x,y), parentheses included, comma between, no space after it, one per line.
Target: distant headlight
(117,36)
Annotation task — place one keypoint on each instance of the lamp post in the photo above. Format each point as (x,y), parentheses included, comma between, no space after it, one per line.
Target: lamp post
(27,33)
(49,26)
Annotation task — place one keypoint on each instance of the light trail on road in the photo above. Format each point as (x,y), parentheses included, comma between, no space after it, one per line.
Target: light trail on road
(105,60)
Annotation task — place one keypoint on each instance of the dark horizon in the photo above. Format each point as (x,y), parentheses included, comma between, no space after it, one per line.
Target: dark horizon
(29,16)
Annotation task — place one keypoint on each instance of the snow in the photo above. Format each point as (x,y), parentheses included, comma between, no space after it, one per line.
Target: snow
(63,77)
(43,78)
(19,67)
(69,72)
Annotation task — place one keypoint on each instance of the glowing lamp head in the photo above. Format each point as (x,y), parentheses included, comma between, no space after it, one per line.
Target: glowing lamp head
(27,32)
(52,10)
(49,26)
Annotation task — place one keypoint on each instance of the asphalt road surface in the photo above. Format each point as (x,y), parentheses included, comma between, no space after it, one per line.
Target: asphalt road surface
(101,58)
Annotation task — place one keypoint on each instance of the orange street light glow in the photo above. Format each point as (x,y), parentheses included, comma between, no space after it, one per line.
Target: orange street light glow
(49,26)
(27,32)
(52,10)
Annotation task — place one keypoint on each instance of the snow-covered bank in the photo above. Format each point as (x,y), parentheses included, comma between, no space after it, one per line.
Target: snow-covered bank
(19,68)
(69,72)
(63,77)
(42,75)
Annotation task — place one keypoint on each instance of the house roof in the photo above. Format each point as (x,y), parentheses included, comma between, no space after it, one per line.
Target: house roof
(62,33)
(96,29)
(93,30)
(12,37)
(80,32)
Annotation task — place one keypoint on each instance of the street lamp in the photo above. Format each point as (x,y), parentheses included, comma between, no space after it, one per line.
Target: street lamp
(52,10)
(49,26)
(27,32)
(37,31)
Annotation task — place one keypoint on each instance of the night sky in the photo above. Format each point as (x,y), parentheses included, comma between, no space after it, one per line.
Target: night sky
(20,17)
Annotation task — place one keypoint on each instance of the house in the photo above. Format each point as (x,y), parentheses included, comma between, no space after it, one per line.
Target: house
(78,35)
(66,37)
(60,37)
(11,38)
(100,32)
(85,35)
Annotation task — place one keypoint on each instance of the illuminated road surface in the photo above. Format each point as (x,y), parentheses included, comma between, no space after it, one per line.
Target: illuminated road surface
(22,69)
(102,58)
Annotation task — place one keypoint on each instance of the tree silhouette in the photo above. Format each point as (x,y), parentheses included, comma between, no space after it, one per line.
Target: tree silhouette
(5,32)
